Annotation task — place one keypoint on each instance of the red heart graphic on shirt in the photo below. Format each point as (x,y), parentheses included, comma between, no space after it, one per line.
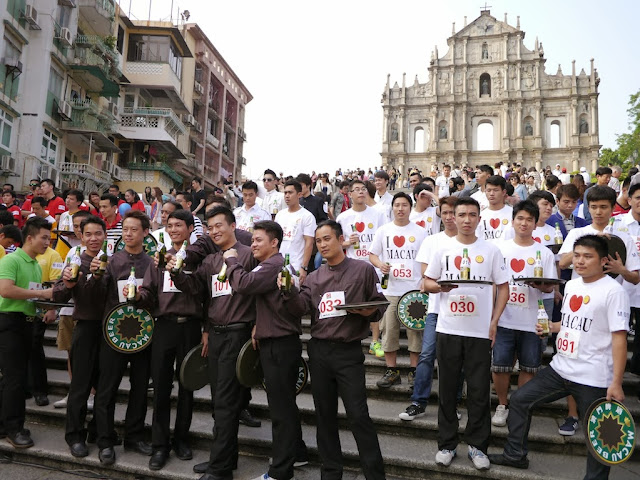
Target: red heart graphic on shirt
(575,303)
(457,261)
(399,241)
(537,239)
(360,226)
(494,222)
(421,223)
(517,265)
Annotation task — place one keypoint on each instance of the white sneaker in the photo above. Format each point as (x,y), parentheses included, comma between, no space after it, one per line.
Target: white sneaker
(458,414)
(445,457)
(267,477)
(90,401)
(61,403)
(499,419)
(479,459)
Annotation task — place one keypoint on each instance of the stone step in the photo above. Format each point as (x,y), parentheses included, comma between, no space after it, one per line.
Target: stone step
(404,456)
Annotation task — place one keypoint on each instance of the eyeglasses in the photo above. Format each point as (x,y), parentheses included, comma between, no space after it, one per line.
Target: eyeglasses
(34,184)
(267,179)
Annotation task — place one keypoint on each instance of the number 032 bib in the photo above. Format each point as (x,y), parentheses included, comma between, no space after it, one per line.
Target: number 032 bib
(327,305)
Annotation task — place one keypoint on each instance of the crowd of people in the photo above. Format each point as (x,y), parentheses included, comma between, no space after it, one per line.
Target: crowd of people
(466,237)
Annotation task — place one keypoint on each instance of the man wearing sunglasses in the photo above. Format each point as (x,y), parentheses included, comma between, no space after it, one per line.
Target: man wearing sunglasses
(273,200)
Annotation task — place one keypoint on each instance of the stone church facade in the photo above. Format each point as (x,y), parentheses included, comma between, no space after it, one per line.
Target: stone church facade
(489,99)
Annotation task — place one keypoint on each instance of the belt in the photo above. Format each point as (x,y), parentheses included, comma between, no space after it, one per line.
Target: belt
(27,318)
(175,318)
(230,327)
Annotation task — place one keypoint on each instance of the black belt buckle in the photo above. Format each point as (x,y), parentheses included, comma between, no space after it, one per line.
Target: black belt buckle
(182,319)
(29,318)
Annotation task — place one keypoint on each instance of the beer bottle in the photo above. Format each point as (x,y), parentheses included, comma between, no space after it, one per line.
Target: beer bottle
(385,280)
(465,265)
(356,246)
(162,252)
(250,228)
(103,257)
(222,275)
(180,256)
(132,286)
(75,265)
(285,284)
(543,319)
(557,236)
(537,268)
(609,228)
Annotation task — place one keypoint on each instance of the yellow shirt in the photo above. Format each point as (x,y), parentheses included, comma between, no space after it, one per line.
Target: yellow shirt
(2,251)
(51,264)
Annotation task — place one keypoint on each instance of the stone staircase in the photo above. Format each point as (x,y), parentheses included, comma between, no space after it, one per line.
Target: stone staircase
(407,447)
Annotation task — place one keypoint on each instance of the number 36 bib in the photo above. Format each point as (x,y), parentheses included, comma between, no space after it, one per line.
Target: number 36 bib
(327,305)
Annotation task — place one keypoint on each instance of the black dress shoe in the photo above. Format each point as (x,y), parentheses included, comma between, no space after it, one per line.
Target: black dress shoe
(158,460)
(201,467)
(21,439)
(140,446)
(182,450)
(79,449)
(247,419)
(107,456)
(501,459)
(42,400)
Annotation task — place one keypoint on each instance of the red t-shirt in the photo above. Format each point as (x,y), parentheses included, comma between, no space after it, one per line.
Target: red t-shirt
(56,206)
(16,212)
(139,205)
(619,210)
(84,207)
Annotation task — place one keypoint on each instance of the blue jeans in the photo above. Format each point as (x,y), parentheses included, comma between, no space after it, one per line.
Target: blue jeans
(546,387)
(424,369)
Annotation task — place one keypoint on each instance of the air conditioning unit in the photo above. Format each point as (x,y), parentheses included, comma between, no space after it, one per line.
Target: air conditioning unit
(113,108)
(65,36)
(188,119)
(8,163)
(31,16)
(64,109)
(198,88)
(12,63)
(198,127)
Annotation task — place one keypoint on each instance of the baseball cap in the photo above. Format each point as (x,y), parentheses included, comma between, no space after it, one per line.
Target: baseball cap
(564,170)
(583,169)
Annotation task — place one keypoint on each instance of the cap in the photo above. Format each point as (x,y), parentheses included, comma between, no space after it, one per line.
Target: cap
(583,169)
(564,170)
(557,164)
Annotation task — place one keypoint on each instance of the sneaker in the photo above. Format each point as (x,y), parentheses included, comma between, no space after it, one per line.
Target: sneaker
(445,457)
(499,419)
(569,427)
(411,376)
(632,332)
(90,401)
(61,403)
(412,411)
(390,377)
(376,349)
(479,459)
(458,414)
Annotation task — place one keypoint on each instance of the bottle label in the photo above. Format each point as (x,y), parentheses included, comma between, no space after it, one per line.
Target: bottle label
(122,298)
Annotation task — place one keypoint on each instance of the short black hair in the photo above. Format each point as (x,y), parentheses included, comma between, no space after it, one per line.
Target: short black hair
(6,217)
(40,201)
(176,205)
(568,190)
(343,184)
(10,192)
(497,181)
(10,184)
(428,180)
(81,214)
(114,186)
(335,226)
(603,171)
(197,179)
(220,210)
(49,181)
(381,174)
(416,173)
(295,184)
(304,178)
(466,201)
(273,229)
(78,194)
(112,199)
(219,199)
(597,242)
(601,192)
(486,169)
(33,226)
(144,220)
(183,215)
(402,195)
(92,219)
(538,195)
(633,189)
(187,196)
(12,232)
(268,171)
(250,185)
(551,181)
(529,207)
(419,188)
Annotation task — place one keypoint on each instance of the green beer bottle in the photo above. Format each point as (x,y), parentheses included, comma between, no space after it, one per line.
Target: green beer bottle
(285,285)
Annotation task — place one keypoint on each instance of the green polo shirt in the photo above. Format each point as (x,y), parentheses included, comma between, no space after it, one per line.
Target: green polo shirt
(23,270)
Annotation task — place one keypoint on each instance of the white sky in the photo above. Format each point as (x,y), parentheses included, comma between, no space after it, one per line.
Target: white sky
(317,70)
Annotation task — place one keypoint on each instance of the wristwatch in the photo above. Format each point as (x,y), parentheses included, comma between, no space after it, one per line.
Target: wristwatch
(305,269)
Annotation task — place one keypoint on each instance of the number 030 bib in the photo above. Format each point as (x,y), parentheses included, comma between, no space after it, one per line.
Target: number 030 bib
(462,305)
(327,305)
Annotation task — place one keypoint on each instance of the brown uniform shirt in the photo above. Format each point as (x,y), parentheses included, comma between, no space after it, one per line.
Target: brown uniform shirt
(204,246)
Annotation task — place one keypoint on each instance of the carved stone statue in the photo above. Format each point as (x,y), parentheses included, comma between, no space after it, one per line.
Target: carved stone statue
(394,132)
(584,126)
(484,87)
(443,132)
(528,129)
(485,52)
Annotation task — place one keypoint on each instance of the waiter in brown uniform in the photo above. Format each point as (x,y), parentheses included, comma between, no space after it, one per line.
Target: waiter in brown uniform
(176,331)
(277,334)
(112,364)
(231,316)
(335,349)
(87,335)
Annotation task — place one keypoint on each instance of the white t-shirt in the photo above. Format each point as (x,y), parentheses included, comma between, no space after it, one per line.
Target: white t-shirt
(493,223)
(467,310)
(430,245)
(385,199)
(481,198)
(628,225)
(427,219)
(246,219)
(442,183)
(366,223)
(295,226)
(399,246)
(522,307)
(590,313)
(633,260)
(273,201)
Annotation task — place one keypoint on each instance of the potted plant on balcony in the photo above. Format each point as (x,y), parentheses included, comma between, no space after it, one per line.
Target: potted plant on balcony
(110,41)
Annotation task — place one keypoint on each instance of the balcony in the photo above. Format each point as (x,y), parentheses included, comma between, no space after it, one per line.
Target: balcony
(211,139)
(86,171)
(156,76)
(100,14)
(99,71)
(84,104)
(85,120)
(158,167)
(151,124)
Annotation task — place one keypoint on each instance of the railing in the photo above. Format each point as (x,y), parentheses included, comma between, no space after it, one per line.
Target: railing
(106,5)
(84,104)
(158,167)
(86,56)
(148,117)
(84,120)
(213,140)
(85,170)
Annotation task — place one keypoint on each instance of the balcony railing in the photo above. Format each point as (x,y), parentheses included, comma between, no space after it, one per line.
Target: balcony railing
(149,117)
(86,170)
(88,121)
(88,57)
(213,140)
(84,104)
(107,5)
(158,167)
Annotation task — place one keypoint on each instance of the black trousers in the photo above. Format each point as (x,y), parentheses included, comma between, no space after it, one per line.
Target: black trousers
(229,398)
(112,365)
(280,358)
(85,346)
(635,359)
(38,382)
(338,369)
(171,342)
(15,347)
(454,353)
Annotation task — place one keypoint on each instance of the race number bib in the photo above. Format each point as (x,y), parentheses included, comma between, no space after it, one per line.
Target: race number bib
(518,296)
(35,286)
(168,285)
(361,252)
(462,305)
(121,284)
(111,245)
(218,288)
(289,231)
(401,271)
(328,303)
(567,343)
